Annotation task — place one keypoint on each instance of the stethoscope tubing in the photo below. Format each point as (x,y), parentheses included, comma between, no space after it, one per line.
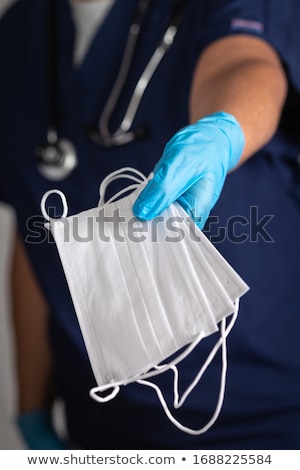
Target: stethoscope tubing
(57,157)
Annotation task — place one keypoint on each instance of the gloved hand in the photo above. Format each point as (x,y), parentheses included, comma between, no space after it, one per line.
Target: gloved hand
(193,168)
(37,431)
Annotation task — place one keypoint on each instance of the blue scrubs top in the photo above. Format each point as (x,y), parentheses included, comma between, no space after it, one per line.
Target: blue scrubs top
(262,401)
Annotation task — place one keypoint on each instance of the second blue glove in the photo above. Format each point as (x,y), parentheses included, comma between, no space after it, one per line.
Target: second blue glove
(37,431)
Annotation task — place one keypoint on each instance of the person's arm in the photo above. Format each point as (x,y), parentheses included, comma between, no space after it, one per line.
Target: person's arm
(33,355)
(237,94)
(243,76)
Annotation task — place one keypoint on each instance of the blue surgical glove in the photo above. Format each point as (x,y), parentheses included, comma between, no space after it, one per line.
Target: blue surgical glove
(193,168)
(37,431)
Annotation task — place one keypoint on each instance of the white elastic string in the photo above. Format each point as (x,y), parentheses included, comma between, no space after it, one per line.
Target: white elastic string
(178,403)
(135,175)
(181,427)
(158,369)
(131,187)
(94,393)
(43,204)
(103,188)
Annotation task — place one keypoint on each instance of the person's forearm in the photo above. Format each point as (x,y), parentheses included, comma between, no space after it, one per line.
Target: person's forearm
(242,76)
(33,357)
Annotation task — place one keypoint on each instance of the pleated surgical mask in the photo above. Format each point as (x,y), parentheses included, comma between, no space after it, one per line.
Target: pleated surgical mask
(144,291)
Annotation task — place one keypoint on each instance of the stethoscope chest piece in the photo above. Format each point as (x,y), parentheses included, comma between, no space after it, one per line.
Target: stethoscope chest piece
(57,158)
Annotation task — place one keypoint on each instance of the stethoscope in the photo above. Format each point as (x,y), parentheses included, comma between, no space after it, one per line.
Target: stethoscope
(57,157)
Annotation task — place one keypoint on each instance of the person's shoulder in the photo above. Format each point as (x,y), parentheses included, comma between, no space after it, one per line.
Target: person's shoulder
(5,5)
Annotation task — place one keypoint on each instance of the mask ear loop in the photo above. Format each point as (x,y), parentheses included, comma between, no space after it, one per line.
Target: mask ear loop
(43,206)
(136,176)
(178,403)
(94,393)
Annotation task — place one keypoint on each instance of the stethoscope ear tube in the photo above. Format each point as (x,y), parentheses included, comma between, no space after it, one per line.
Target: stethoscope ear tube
(57,157)
(124,134)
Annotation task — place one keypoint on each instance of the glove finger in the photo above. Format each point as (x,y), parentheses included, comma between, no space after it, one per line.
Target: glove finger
(166,186)
(157,195)
(198,200)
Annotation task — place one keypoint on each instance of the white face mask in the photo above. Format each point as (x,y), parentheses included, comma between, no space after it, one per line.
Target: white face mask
(142,291)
